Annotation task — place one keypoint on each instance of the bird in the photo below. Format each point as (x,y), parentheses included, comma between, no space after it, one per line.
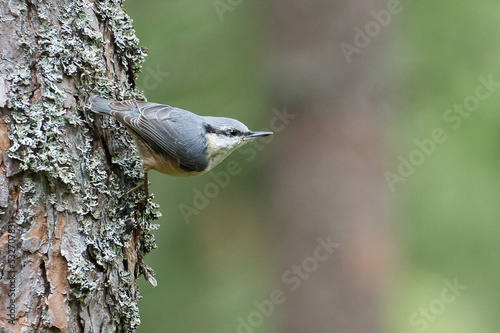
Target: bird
(174,141)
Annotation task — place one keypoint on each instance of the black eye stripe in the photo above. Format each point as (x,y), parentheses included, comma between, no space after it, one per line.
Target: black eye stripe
(225,131)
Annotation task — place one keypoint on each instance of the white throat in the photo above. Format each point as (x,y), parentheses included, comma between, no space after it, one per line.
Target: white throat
(219,147)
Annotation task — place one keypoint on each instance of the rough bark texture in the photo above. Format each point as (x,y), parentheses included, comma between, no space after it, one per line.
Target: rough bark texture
(71,246)
(329,176)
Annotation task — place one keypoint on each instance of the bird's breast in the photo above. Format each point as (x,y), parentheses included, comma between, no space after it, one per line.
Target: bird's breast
(163,163)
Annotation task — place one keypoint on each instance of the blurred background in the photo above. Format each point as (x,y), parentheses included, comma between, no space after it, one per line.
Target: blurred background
(373,208)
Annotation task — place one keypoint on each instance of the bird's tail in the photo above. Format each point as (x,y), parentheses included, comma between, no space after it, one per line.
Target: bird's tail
(98,104)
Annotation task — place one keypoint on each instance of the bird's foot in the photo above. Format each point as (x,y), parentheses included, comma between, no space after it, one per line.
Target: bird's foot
(144,185)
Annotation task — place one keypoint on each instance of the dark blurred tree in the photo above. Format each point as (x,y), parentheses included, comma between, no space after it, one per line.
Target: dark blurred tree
(71,246)
(328,71)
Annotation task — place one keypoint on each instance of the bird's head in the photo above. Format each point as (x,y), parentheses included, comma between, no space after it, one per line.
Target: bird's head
(224,135)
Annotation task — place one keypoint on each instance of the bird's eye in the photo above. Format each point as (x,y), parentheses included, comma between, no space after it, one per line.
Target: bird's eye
(233,132)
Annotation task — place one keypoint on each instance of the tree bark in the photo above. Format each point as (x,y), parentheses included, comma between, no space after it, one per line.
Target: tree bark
(71,243)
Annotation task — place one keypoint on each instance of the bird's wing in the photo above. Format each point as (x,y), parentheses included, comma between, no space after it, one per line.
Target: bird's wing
(165,130)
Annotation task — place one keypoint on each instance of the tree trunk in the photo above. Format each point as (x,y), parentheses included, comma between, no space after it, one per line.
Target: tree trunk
(71,243)
(329,188)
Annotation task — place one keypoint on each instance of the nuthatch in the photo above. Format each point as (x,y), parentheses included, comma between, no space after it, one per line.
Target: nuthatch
(173,141)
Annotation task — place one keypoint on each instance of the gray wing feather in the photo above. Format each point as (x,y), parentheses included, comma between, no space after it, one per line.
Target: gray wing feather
(165,130)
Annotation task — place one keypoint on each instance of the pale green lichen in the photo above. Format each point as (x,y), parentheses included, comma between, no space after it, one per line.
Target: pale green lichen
(70,54)
(125,40)
(127,308)
(80,272)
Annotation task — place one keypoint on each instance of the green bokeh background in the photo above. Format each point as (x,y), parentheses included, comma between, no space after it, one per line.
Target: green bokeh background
(446,214)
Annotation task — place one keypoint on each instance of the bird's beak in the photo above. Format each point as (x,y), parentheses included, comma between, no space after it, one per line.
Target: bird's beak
(254,135)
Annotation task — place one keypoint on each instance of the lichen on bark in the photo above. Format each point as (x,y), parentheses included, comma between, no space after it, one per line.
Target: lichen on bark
(79,239)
